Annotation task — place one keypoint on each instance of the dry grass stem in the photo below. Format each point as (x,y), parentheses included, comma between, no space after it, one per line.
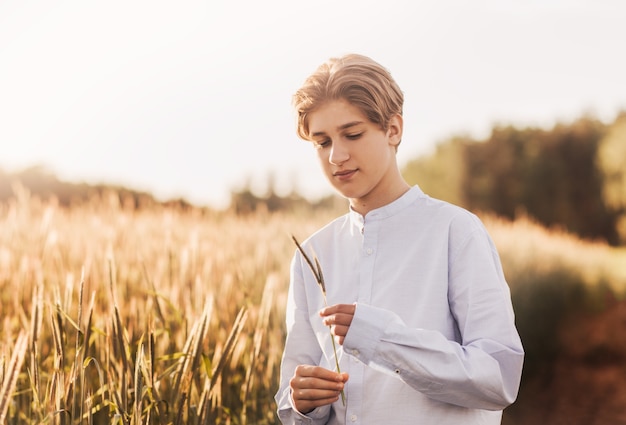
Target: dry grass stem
(9,378)
(319,277)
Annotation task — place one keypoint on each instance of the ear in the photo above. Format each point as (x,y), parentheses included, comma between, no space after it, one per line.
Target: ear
(394,132)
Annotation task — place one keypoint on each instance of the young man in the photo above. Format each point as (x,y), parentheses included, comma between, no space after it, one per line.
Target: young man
(417,300)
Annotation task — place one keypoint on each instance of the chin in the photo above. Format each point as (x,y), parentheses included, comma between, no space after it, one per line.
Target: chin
(348,194)
(349,190)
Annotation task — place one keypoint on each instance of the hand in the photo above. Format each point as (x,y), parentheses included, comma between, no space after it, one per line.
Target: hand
(315,386)
(339,317)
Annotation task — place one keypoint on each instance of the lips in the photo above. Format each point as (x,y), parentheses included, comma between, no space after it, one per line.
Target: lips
(345,174)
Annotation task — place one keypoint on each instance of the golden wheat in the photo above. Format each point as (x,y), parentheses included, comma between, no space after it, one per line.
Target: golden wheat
(121,315)
(163,316)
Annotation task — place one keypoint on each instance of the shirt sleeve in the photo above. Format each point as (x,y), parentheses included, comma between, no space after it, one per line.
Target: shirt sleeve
(483,369)
(301,347)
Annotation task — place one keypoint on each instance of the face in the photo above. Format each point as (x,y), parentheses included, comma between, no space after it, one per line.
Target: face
(356,155)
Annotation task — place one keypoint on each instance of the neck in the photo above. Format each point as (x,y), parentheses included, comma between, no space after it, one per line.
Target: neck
(365,205)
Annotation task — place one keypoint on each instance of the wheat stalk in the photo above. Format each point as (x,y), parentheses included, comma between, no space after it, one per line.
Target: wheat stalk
(10,378)
(259,332)
(319,277)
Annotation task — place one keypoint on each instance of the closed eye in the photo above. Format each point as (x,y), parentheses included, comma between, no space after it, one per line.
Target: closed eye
(319,144)
(354,136)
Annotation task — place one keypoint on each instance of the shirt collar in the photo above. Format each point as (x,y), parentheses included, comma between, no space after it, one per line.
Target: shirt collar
(392,208)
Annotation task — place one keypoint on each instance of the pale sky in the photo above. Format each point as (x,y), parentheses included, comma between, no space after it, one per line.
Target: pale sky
(192,98)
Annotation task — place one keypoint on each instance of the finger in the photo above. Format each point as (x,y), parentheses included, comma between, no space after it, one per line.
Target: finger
(305,382)
(339,330)
(307,405)
(338,319)
(307,400)
(314,386)
(338,308)
(310,383)
(317,372)
(313,395)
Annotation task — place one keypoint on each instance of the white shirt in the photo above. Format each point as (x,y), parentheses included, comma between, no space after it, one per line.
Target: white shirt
(433,339)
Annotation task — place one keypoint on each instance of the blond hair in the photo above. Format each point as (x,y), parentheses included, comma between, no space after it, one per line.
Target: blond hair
(355,78)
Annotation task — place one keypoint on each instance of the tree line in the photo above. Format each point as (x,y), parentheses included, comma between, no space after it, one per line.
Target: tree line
(572,175)
(39,182)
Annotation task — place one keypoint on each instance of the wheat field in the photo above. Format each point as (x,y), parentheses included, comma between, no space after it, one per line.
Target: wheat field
(150,316)
(168,316)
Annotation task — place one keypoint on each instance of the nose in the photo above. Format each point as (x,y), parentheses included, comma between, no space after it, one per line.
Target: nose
(338,154)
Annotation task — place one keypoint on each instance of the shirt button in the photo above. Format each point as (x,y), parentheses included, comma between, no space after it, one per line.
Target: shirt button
(355,352)
(353,418)
(369,251)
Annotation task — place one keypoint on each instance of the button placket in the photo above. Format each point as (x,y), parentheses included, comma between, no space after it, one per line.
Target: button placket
(370,241)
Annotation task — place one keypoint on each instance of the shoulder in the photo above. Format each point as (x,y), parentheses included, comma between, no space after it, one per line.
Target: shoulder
(443,213)
(443,221)
(464,230)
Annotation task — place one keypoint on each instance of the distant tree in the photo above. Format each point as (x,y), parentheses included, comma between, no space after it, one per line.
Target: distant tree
(494,172)
(440,174)
(558,176)
(611,160)
(575,201)
(549,174)
(43,184)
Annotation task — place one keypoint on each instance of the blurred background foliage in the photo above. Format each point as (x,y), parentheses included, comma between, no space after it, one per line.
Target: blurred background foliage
(572,176)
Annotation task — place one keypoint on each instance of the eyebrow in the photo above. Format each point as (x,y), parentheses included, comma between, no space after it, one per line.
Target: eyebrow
(341,127)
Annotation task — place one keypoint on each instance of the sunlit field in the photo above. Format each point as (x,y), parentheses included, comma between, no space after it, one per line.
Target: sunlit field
(165,316)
